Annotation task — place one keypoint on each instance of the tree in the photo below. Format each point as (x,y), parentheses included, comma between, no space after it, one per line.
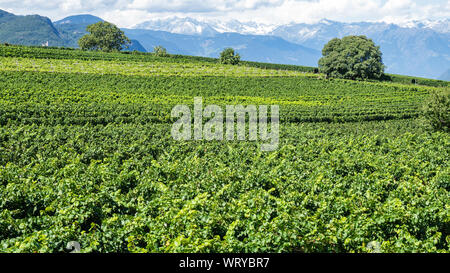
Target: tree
(228,56)
(160,51)
(105,37)
(436,111)
(352,57)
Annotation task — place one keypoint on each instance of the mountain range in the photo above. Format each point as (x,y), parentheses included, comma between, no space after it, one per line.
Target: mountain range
(417,48)
(260,48)
(39,30)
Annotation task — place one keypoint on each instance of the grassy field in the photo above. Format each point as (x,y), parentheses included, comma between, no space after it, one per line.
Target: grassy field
(86,155)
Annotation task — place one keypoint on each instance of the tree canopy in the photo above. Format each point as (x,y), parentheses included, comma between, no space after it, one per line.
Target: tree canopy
(352,57)
(104,36)
(160,51)
(228,56)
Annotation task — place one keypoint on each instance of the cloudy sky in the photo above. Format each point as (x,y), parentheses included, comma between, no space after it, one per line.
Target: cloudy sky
(126,13)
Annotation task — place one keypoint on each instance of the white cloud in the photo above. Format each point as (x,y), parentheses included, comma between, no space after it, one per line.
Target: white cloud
(129,12)
(125,18)
(200,6)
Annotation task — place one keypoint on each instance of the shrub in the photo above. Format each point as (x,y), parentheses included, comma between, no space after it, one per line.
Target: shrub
(228,56)
(160,51)
(436,111)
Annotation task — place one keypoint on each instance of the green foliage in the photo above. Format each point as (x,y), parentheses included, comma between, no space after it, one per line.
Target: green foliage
(290,67)
(436,110)
(302,99)
(352,57)
(70,53)
(160,51)
(130,188)
(86,155)
(228,56)
(416,81)
(105,37)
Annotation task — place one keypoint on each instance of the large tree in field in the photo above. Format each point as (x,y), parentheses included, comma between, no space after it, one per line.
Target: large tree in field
(228,56)
(104,36)
(352,57)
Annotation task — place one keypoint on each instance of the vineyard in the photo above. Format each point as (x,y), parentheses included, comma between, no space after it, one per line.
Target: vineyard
(86,155)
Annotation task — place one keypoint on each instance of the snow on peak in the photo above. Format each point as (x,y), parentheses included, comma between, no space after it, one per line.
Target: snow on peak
(210,27)
(177,25)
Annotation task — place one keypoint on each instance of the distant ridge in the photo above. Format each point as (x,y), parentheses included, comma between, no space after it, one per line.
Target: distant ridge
(445,76)
(72,28)
(28,30)
(84,19)
(257,48)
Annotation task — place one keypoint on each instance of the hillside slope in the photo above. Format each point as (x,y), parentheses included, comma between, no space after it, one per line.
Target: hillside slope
(28,30)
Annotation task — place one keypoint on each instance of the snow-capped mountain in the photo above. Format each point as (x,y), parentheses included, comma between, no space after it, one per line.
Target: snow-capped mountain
(209,27)
(441,26)
(241,27)
(316,35)
(188,26)
(191,26)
